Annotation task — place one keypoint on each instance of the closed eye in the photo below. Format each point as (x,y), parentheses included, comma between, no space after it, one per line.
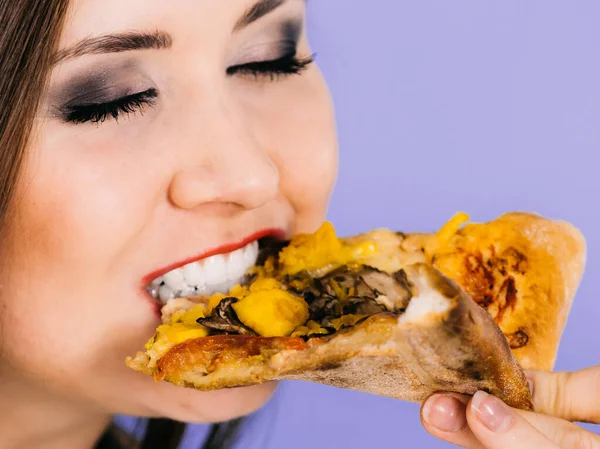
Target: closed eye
(100,112)
(288,64)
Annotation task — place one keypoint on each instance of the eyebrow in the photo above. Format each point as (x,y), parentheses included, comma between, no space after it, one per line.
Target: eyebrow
(256,12)
(116,43)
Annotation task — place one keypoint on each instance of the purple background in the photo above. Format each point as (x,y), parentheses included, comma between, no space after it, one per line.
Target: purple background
(484,107)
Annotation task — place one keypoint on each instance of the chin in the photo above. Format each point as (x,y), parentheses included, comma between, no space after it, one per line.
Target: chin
(199,407)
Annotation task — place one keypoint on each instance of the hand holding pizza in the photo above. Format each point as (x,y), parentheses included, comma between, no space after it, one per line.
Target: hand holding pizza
(484,422)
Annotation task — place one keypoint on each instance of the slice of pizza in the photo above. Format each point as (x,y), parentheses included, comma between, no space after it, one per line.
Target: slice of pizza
(463,309)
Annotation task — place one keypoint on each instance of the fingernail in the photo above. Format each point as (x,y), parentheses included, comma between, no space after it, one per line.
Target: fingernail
(530,382)
(492,412)
(445,413)
(529,377)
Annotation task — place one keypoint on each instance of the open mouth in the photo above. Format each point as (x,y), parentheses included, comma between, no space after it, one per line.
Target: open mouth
(214,274)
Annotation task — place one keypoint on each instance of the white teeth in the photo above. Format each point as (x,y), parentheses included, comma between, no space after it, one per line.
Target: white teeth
(251,253)
(174,279)
(237,265)
(193,274)
(165,293)
(214,274)
(153,290)
(215,269)
(156,282)
(222,288)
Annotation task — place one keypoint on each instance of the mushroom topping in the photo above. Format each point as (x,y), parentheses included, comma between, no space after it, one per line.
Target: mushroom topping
(364,306)
(394,290)
(325,306)
(224,319)
(351,292)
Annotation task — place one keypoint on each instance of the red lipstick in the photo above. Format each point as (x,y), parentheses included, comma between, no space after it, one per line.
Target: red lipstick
(227,248)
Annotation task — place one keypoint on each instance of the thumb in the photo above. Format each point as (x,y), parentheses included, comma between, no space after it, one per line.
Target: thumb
(573,396)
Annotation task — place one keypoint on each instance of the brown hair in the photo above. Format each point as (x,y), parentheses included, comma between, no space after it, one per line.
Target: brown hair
(29,37)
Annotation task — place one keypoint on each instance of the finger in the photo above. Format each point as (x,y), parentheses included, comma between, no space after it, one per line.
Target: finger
(570,396)
(444,417)
(563,433)
(497,426)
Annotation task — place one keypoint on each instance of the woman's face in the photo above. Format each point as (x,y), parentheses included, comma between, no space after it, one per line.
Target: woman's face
(168,130)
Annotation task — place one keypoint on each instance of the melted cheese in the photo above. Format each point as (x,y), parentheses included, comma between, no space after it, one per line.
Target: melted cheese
(189,317)
(443,237)
(272,313)
(182,327)
(323,249)
(309,329)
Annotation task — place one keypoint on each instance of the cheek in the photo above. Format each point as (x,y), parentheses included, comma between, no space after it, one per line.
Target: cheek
(76,219)
(299,132)
(81,210)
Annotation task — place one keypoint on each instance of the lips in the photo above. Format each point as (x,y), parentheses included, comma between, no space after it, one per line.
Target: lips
(206,275)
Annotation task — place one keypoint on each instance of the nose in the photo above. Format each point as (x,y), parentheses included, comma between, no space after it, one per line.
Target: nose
(226,165)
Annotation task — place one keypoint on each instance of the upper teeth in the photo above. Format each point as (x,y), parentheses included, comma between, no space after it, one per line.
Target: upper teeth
(214,274)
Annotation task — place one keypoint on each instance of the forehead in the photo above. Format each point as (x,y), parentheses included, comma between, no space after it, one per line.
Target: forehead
(91,17)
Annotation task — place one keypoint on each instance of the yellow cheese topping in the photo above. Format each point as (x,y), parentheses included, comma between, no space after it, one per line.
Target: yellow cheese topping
(323,249)
(310,328)
(173,334)
(182,327)
(444,236)
(452,226)
(272,313)
(189,317)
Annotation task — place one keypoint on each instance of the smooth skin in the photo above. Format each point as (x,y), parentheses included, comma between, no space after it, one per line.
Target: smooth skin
(485,422)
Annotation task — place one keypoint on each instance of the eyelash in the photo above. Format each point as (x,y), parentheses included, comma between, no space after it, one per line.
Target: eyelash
(288,64)
(99,112)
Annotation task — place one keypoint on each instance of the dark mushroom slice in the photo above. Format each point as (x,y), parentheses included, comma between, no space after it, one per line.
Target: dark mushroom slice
(223,319)
(339,283)
(363,306)
(363,289)
(351,291)
(325,307)
(393,291)
(302,284)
